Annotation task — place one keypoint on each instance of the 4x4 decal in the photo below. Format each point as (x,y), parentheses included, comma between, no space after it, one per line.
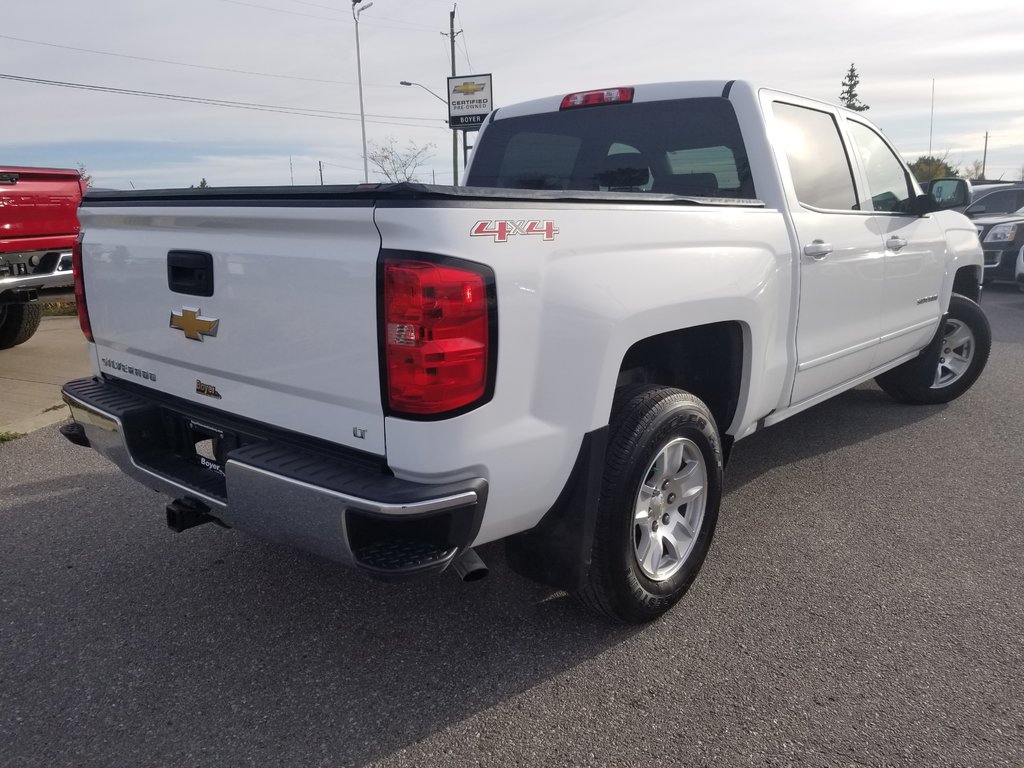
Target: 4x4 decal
(502,229)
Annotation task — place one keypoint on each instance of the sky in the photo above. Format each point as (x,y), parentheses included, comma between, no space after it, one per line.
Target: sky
(290,67)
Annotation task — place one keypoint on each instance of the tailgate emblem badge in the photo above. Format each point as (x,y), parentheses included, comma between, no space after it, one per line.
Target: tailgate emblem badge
(193,324)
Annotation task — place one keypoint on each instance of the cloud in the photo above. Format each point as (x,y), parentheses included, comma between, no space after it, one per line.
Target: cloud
(539,49)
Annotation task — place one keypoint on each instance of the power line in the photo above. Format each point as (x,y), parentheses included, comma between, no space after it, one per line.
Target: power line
(465,49)
(314,5)
(175,63)
(304,112)
(394,23)
(336,165)
(281,10)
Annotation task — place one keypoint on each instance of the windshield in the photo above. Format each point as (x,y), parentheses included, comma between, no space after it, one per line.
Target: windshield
(686,147)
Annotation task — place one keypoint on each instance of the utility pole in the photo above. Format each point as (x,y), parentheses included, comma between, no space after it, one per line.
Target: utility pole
(984,156)
(455,133)
(931,120)
(321,164)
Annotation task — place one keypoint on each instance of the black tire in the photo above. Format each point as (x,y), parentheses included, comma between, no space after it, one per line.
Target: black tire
(651,425)
(951,363)
(18,322)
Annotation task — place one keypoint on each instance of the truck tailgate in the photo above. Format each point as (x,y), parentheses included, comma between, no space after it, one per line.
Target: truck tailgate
(287,335)
(36,206)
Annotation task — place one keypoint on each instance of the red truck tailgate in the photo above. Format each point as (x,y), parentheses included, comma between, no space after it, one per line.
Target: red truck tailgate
(38,208)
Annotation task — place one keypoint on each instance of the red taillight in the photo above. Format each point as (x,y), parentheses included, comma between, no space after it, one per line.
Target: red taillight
(593,98)
(76,266)
(436,336)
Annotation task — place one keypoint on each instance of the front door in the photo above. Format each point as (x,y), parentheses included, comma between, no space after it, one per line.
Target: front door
(915,248)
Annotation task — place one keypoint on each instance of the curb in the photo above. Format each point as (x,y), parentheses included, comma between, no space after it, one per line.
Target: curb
(33,423)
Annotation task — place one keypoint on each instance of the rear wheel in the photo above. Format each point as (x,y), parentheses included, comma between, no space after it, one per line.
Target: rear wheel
(950,365)
(18,322)
(659,503)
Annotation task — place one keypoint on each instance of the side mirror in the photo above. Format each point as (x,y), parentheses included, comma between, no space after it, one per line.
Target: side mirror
(922,204)
(949,193)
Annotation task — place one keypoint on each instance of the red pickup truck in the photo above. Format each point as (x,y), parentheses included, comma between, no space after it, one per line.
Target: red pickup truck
(38,225)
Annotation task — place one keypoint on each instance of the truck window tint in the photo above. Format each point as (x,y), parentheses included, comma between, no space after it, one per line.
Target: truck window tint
(818,163)
(719,161)
(684,146)
(626,169)
(888,184)
(536,160)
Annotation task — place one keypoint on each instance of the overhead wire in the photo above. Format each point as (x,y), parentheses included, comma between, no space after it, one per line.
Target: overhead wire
(465,48)
(371,21)
(282,10)
(175,63)
(303,112)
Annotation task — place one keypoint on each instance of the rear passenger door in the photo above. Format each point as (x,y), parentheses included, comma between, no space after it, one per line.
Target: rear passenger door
(915,247)
(841,259)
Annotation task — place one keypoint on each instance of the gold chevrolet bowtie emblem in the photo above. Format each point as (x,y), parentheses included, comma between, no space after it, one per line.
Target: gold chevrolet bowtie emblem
(468,89)
(194,324)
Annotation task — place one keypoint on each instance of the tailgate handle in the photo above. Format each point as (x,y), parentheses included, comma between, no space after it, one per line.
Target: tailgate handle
(9,178)
(190,272)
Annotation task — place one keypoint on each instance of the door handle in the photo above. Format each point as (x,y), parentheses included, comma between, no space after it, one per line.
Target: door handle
(818,250)
(895,243)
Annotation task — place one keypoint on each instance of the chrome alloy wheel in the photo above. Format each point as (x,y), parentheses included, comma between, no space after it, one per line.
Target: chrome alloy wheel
(669,509)
(955,354)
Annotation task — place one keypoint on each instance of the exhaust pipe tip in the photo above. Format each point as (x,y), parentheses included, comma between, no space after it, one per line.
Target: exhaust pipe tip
(469,567)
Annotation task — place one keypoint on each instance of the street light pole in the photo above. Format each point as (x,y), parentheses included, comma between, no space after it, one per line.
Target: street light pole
(420,85)
(455,148)
(359,76)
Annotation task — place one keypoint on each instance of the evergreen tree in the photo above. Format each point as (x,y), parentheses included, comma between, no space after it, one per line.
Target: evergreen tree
(848,97)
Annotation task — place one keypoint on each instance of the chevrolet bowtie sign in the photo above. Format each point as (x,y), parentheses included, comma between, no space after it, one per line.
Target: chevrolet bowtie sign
(469,101)
(194,324)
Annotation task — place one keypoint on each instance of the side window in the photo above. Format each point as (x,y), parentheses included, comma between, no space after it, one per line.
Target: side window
(888,183)
(1007,201)
(817,160)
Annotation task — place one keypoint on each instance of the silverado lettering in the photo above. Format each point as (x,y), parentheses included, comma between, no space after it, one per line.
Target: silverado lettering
(116,365)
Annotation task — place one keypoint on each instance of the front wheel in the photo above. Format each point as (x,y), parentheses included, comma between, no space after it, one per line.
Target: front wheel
(659,502)
(950,365)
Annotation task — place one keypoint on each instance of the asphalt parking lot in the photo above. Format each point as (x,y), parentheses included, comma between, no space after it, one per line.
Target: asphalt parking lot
(863,604)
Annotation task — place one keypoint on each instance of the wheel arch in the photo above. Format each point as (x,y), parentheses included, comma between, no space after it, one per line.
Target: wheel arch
(708,361)
(967,282)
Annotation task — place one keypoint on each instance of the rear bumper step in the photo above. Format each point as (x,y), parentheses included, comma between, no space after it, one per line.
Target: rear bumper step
(349,510)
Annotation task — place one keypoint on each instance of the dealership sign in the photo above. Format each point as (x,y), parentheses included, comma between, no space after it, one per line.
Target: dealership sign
(469,101)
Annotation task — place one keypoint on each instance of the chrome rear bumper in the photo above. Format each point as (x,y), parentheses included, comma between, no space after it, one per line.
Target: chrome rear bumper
(279,486)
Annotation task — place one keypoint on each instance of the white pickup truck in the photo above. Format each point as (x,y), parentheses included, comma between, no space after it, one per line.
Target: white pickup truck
(559,354)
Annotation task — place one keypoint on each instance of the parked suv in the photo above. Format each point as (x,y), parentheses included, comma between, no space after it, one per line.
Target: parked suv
(1002,239)
(1006,199)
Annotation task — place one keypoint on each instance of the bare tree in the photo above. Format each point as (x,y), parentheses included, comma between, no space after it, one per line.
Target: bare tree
(84,173)
(974,170)
(396,164)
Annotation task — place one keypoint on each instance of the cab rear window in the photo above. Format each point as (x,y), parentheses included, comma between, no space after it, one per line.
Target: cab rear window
(689,147)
